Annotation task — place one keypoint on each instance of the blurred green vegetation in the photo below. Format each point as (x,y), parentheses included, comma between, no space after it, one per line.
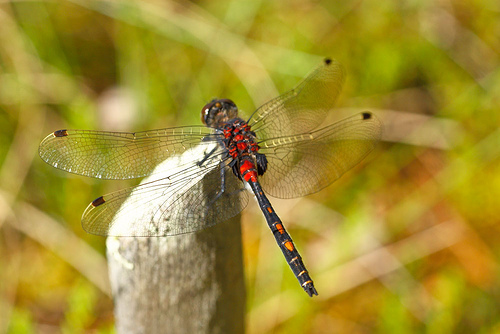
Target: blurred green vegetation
(407,242)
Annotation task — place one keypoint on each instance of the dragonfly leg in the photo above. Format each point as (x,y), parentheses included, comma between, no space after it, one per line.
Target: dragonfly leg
(205,158)
(222,188)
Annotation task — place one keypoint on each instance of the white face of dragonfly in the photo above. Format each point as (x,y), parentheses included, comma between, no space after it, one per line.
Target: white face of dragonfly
(218,112)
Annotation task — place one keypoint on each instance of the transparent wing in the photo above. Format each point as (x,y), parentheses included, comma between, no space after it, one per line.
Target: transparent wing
(118,155)
(303,108)
(303,164)
(186,201)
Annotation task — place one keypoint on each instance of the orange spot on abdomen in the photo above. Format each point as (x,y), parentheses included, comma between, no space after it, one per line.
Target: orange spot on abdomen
(280,228)
(289,245)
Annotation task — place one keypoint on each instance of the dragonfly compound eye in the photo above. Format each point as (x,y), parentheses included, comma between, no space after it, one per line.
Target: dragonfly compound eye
(217,112)
(229,107)
(205,112)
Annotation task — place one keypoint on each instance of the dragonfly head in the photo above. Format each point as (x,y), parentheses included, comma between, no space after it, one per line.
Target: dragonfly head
(218,112)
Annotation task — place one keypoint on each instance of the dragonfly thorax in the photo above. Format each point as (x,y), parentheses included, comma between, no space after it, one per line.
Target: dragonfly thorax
(242,146)
(239,139)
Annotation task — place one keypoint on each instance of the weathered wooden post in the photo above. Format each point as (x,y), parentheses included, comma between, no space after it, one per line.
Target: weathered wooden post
(189,283)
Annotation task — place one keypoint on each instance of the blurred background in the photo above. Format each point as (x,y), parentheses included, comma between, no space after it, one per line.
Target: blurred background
(406,242)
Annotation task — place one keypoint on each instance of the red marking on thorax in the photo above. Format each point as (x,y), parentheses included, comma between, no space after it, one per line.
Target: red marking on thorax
(241,142)
(239,138)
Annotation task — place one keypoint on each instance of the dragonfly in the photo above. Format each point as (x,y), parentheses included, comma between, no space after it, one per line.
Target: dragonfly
(281,150)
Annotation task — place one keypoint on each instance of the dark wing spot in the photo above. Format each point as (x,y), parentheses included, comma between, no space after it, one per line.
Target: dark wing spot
(367,115)
(328,61)
(98,201)
(61,133)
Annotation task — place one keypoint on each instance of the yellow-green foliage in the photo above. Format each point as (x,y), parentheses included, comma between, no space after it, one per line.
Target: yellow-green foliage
(407,242)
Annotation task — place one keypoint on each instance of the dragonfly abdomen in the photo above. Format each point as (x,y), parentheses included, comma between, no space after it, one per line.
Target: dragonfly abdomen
(283,239)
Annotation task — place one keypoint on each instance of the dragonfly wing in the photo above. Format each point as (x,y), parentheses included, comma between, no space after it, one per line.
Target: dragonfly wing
(303,164)
(118,155)
(303,108)
(211,202)
(184,201)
